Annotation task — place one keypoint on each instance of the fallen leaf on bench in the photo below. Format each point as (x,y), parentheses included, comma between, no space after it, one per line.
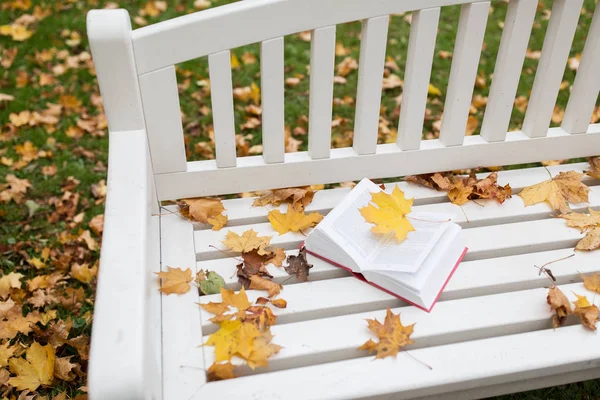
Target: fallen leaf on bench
(298,197)
(583,222)
(263,349)
(209,282)
(279,303)
(175,280)
(587,312)
(219,372)
(560,304)
(595,164)
(590,242)
(299,266)
(557,192)
(592,282)
(230,299)
(390,213)
(204,210)
(392,335)
(293,220)
(248,241)
(36,369)
(260,283)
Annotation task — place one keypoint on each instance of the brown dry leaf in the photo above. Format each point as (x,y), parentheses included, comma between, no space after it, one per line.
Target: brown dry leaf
(583,222)
(560,304)
(260,283)
(297,265)
(298,197)
(293,220)
(36,369)
(204,210)
(175,280)
(587,312)
(248,241)
(63,368)
(590,242)
(592,282)
(219,372)
(472,125)
(347,65)
(392,335)
(595,164)
(557,192)
(253,264)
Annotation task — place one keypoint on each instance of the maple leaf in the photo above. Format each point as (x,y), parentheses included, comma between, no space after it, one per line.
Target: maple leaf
(36,369)
(9,281)
(83,273)
(219,372)
(587,312)
(262,350)
(298,197)
(297,265)
(233,338)
(204,210)
(560,304)
(63,368)
(390,213)
(581,221)
(276,257)
(293,220)
(592,282)
(6,352)
(254,264)
(557,192)
(248,241)
(175,280)
(591,241)
(260,283)
(595,164)
(230,299)
(392,335)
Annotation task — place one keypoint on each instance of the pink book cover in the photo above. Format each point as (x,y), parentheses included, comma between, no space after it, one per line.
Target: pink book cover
(362,278)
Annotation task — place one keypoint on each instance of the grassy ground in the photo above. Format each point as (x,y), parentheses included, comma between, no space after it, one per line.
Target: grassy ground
(62,153)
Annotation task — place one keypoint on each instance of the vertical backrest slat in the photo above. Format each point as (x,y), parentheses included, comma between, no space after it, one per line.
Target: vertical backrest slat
(587,82)
(322,61)
(507,71)
(551,68)
(160,101)
(221,92)
(421,46)
(370,76)
(273,106)
(467,50)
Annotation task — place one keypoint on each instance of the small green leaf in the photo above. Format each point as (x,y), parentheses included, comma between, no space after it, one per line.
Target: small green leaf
(32,206)
(212,283)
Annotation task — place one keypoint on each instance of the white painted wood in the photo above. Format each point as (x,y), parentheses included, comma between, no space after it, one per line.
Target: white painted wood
(153,351)
(467,50)
(160,101)
(421,45)
(242,23)
(370,74)
(271,82)
(587,82)
(221,93)
(551,67)
(183,363)
(507,71)
(456,366)
(322,61)
(299,169)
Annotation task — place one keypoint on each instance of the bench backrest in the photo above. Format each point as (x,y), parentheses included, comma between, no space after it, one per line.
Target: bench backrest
(138,83)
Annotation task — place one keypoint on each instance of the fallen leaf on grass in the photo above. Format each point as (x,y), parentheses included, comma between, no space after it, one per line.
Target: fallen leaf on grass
(248,241)
(9,281)
(587,312)
(219,372)
(204,210)
(298,197)
(297,265)
(392,335)
(175,280)
(293,220)
(557,192)
(560,305)
(6,352)
(260,283)
(390,213)
(36,369)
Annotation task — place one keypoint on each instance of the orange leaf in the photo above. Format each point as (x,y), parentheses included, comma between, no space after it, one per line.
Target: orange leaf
(175,280)
(392,335)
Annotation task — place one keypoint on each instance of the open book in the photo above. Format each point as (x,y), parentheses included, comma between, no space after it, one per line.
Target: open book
(416,269)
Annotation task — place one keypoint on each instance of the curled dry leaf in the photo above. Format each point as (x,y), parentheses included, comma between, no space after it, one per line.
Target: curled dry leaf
(248,241)
(560,305)
(293,220)
(204,210)
(588,313)
(392,335)
(260,283)
(590,242)
(219,372)
(299,266)
(279,303)
(557,192)
(175,280)
(387,212)
(298,197)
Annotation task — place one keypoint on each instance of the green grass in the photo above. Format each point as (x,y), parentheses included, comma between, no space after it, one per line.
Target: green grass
(23,237)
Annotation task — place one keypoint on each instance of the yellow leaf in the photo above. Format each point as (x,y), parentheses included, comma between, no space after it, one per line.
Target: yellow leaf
(83,273)
(175,280)
(233,337)
(390,213)
(279,303)
(238,300)
(557,192)
(587,312)
(591,241)
(6,352)
(293,220)
(36,262)
(392,335)
(583,222)
(592,282)
(255,93)
(219,372)
(262,349)
(9,281)
(434,91)
(18,33)
(48,316)
(235,62)
(205,210)
(248,241)
(582,302)
(36,370)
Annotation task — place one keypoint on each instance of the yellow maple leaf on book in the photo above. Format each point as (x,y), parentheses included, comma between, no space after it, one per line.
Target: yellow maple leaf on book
(388,213)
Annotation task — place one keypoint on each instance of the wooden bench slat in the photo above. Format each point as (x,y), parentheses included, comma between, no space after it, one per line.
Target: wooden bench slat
(322,61)
(507,70)
(587,82)
(467,50)
(551,67)
(221,94)
(421,46)
(273,102)
(370,75)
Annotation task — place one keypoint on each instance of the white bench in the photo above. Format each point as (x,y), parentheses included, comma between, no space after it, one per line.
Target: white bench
(491,331)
